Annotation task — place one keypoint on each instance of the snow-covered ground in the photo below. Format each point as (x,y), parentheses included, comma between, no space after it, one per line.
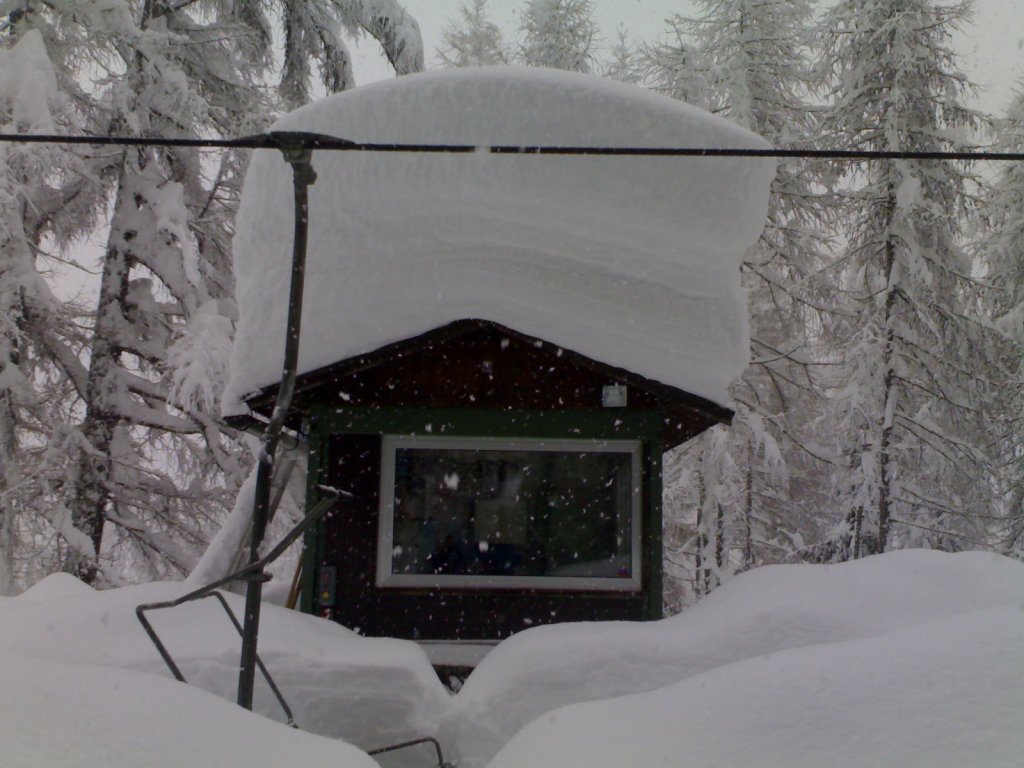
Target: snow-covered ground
(912,658)
(371,692)
(57,715)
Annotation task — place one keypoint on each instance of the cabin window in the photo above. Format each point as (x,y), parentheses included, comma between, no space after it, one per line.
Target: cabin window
(510,513)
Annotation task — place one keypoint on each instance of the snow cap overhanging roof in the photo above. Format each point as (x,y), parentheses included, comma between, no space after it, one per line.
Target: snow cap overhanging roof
(631,261)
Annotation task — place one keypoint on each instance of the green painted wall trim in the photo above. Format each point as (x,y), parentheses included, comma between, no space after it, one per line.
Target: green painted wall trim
(653,452)
(607,424)
(597,425)
(311,550)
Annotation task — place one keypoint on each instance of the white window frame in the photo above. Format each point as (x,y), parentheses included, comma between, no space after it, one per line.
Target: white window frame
(385,536)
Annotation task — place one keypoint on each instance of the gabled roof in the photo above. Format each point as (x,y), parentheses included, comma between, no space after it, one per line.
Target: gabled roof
(442,368)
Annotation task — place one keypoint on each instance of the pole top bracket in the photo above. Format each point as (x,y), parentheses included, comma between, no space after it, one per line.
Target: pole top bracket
(297,148)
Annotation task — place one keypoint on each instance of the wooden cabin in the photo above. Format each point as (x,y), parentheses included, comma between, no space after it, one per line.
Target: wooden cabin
(497,348)
(491,481)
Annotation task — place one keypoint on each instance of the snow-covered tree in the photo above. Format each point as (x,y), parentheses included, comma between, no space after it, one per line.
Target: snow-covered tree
(312,38)
(44,204)
(559,34)
(623,62)
(1001,249)
(473,40)
(166,260)
(150,468)
(756,74)
(746,61)
(916,381)
(674,67)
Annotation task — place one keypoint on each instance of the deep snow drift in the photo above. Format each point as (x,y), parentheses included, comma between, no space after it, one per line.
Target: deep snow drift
(943,694)
(913,658)
(371,692)
(632,261)
(58,715)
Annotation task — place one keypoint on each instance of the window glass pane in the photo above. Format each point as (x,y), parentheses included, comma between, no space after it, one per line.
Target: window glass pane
(509,512)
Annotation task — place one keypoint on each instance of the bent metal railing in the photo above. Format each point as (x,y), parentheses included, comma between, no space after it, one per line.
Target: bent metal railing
(176,671)
(256,570)
(405,744)
(252,570)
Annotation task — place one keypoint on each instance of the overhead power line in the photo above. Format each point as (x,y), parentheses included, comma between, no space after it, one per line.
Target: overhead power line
(280,139)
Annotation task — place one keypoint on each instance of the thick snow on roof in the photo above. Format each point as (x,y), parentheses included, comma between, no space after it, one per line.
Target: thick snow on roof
(631,261)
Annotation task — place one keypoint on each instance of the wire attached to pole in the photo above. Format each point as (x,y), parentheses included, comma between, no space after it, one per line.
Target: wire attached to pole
(335,144)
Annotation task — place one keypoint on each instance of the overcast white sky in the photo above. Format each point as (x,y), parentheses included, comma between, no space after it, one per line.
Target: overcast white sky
(991,47)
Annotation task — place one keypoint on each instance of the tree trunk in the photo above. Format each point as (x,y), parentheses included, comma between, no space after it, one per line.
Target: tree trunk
(11,356)
(91,497)
(748,509)
(8,478)
(858,532)
(702,576)
(719,540)
(884,458)
(889,393)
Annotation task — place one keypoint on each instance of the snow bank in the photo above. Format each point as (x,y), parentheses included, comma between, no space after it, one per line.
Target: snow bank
(766,611)
(945,694)
(60,715)
(54,586)
(912,658)
(631,261)
(369,692)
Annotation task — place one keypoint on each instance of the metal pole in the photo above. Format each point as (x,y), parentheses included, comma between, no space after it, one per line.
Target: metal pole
(298,152)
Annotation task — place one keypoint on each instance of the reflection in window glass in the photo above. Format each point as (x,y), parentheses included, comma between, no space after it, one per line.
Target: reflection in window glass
(497,511)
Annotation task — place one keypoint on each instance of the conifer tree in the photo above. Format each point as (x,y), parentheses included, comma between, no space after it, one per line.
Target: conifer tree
(147,468)
(473,40)
(674,67)
(312,38)
(916,382)
(1001,250)
(166,261)
(559,34)
(623,63)
(45,203)
(745,61)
